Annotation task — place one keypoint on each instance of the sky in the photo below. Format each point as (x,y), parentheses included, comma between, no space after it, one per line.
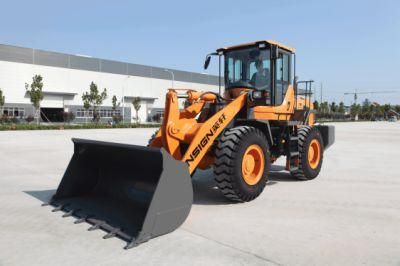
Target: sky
(343,45)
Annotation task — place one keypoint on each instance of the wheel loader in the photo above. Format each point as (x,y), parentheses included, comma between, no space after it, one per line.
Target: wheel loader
(137,193)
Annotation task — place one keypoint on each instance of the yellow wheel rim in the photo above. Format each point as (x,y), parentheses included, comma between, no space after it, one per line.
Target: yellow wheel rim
(253,164)
(314,153)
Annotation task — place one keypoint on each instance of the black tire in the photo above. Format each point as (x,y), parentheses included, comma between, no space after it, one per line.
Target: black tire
(228,163)
(305,171)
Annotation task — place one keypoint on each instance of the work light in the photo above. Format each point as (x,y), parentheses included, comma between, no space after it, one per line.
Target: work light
(256,94)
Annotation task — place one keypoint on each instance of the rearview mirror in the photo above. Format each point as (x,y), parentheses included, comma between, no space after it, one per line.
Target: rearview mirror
(208,59)
(207,62)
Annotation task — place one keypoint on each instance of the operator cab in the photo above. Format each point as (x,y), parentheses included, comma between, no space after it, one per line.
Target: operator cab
(263,66)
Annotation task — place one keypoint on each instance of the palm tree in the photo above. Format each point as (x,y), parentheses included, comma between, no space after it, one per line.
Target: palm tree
(136,105)
(341,108)
(316,105)
(333,107)
(355,110)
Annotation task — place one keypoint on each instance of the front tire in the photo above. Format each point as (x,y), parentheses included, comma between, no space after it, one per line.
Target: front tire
(242,163)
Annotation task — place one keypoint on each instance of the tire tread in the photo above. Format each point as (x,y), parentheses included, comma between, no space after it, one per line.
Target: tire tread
(225,156)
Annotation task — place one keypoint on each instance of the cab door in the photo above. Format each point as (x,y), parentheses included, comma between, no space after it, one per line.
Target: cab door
(281,77)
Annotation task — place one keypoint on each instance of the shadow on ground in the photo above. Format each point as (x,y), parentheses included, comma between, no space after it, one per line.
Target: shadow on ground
(206,192)
(42,195)
(204,187)
(279,174)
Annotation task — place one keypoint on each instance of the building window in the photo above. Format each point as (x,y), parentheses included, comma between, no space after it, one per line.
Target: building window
(82,113)
(104,113)
(14,112)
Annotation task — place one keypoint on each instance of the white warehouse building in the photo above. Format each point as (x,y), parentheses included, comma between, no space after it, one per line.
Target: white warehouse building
(66,77)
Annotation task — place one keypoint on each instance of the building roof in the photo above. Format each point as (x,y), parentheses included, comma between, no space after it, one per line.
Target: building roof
(24,55)
(55,93)
(59,93)
(283,46)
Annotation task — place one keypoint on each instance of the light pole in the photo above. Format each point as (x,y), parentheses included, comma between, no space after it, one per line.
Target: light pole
(173,76)
(320,90)
(123,99)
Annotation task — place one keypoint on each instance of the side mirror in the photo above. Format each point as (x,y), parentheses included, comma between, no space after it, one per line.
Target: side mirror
(207,62)
(208,59)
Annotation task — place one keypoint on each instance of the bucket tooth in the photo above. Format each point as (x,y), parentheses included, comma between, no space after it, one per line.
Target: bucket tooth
(80,220)
(96,225)
(83,219)
(131,244)
(112,233)
(109,235)
(58,208)
(67,214)
(50,202)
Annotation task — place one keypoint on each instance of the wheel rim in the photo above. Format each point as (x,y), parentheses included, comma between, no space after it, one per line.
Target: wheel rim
(253,164)
(314,153)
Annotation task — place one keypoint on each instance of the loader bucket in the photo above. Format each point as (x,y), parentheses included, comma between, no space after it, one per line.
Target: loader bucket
(132,192)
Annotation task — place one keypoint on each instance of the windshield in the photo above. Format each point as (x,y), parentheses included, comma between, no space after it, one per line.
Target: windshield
(249,68)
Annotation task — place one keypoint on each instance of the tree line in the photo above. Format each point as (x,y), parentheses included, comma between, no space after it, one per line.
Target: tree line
(367,110)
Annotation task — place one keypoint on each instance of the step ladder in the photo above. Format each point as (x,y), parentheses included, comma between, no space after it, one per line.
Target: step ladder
(292,162)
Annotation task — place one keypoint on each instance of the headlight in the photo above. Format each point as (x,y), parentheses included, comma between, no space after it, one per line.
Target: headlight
(256,94)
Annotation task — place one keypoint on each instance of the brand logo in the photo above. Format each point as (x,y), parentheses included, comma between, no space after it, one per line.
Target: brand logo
(204,141)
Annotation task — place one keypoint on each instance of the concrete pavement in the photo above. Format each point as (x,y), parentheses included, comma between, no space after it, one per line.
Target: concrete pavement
(349,215)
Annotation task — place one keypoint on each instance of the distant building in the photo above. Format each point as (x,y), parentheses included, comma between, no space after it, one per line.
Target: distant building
(66,77)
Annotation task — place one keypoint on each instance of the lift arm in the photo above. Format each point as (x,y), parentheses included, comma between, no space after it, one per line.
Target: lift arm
(181,127)
(210,130)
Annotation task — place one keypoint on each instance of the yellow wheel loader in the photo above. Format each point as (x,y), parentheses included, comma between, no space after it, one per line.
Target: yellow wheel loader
(137,193)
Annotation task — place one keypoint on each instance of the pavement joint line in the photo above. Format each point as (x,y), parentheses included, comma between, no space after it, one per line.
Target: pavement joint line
(232,247)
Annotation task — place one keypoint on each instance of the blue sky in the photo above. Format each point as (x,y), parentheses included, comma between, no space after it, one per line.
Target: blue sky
(346,45)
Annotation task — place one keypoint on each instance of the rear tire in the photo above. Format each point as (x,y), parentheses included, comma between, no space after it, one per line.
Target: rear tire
(242,163)
(311,151)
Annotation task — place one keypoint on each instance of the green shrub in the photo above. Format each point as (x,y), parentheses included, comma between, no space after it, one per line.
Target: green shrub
(4,119)
(29,118)
(117,119)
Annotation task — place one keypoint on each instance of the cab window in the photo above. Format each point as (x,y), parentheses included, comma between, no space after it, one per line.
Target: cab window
(234,69)
(248,68)
(282,77)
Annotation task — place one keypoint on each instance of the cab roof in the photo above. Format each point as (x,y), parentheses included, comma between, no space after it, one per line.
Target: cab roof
(269,42)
